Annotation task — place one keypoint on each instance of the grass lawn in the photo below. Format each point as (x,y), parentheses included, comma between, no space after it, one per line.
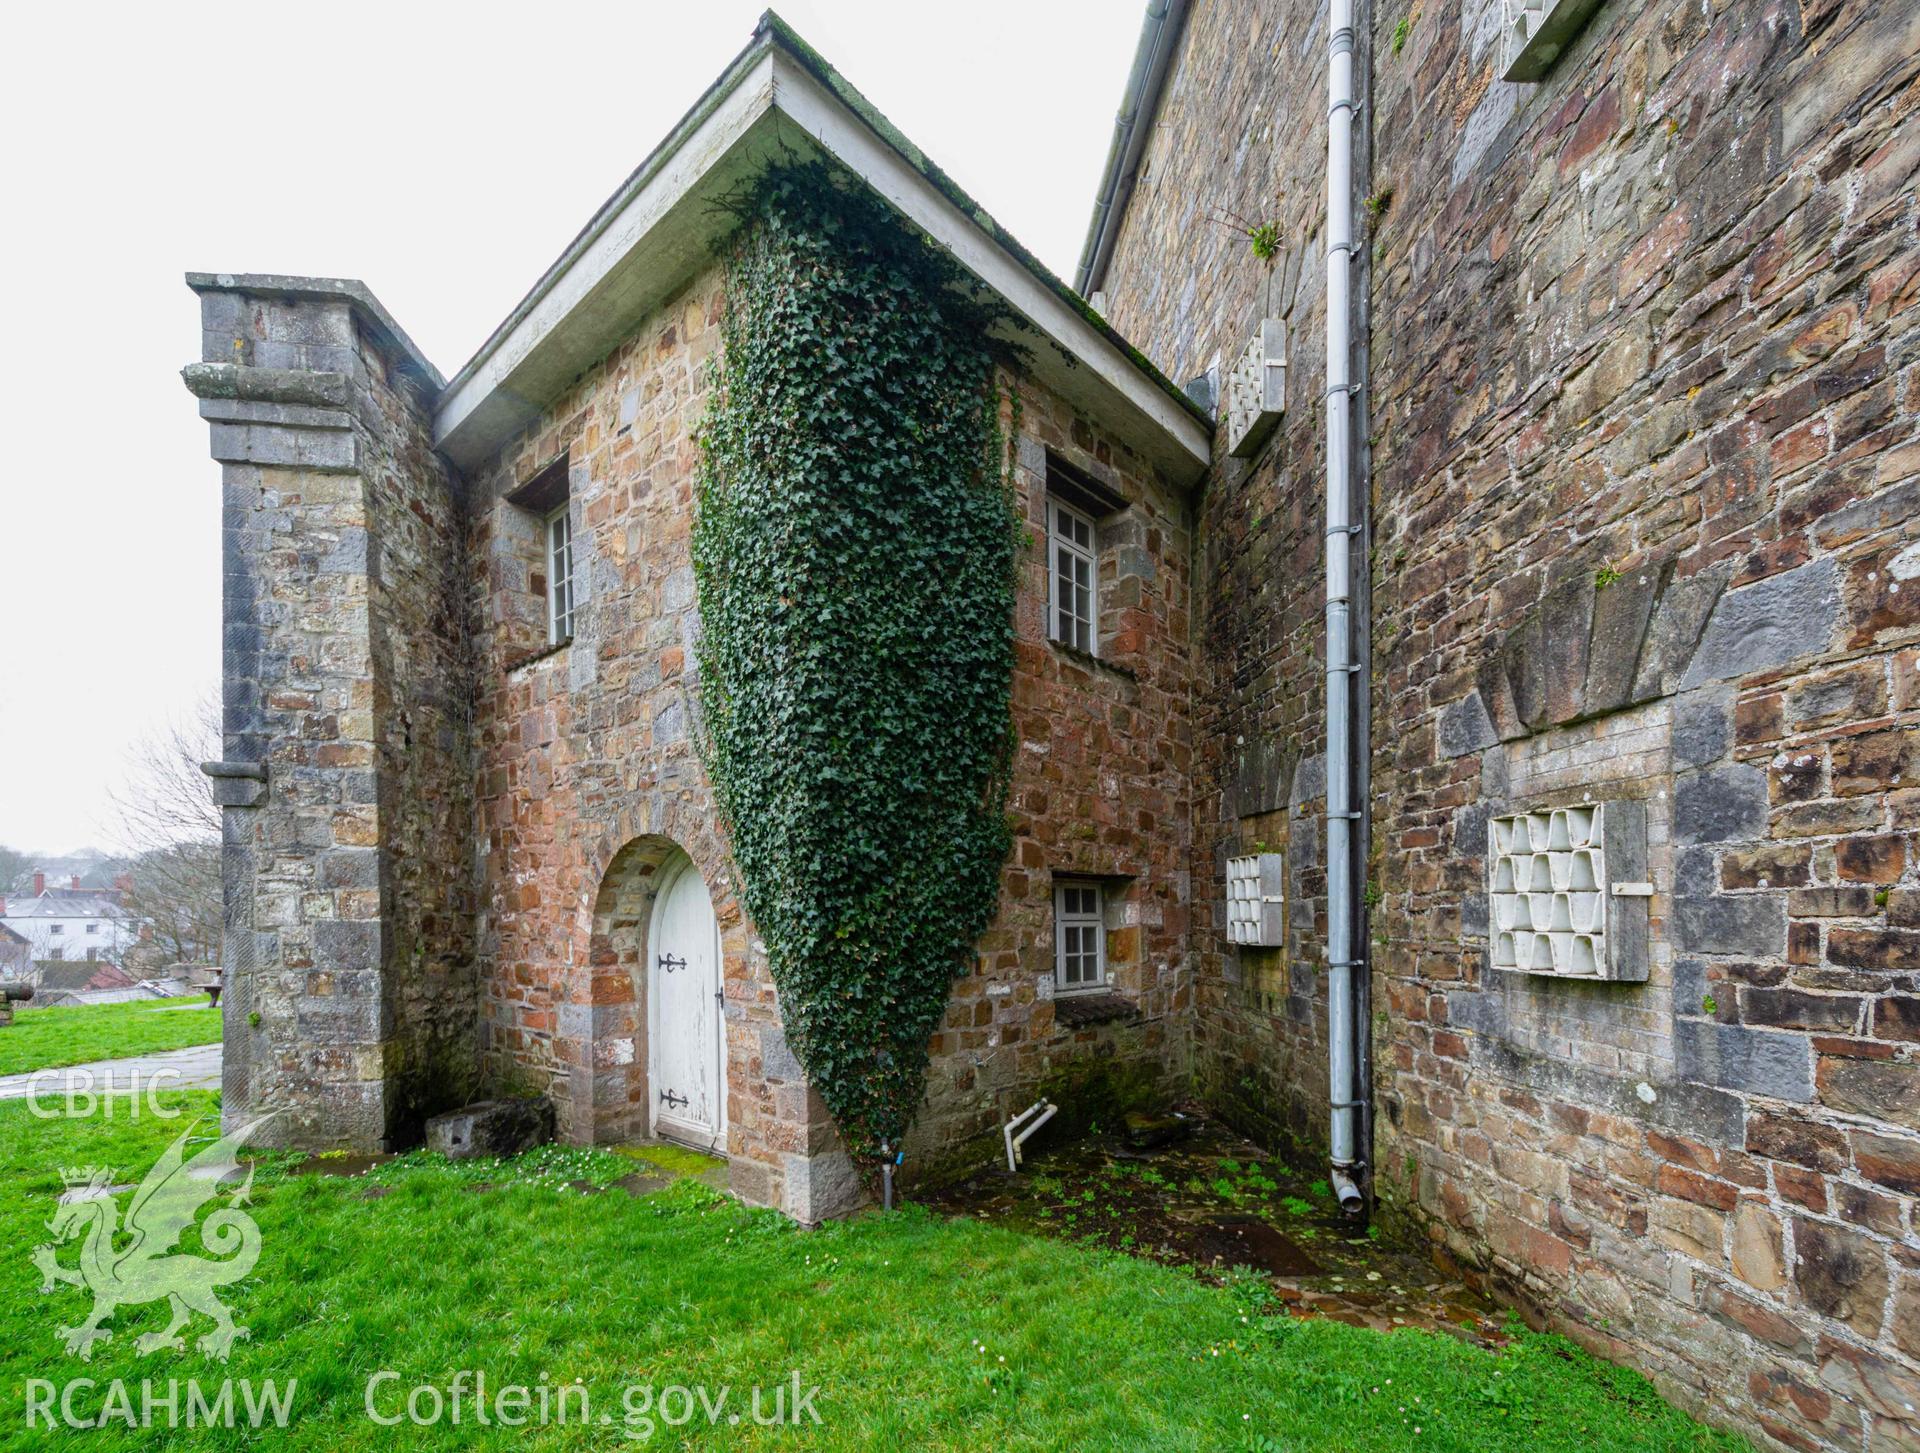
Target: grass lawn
(47,1038)
(919,1332)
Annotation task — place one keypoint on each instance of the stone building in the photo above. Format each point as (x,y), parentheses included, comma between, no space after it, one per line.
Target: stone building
(1632,439)
(1636,334)
(467,822)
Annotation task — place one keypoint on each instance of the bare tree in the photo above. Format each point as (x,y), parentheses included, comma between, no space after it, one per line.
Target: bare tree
(16,868)
(170,831)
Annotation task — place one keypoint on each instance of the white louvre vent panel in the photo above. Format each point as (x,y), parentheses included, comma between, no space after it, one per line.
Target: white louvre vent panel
(1566,891)
(1257,389)
(1256,900)
(1548,892)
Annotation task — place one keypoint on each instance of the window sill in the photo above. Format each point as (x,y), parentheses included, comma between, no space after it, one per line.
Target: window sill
(1098,663)
(1079,1009)
(540,655)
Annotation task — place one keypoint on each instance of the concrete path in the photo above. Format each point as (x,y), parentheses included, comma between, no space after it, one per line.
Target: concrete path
(197,1068)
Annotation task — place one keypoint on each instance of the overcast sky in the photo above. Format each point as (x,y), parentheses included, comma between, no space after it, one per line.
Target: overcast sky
(444,154)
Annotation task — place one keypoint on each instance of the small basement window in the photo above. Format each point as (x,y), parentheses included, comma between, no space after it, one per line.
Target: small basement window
(1079,937)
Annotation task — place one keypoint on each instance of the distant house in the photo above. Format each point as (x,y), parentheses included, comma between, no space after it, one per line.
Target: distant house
(58,982)
(61,984)
(73,923)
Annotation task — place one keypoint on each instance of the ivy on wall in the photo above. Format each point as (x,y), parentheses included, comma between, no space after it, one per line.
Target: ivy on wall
(853,551)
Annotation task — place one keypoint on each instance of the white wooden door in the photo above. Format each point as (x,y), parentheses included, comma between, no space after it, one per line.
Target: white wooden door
(684,1020)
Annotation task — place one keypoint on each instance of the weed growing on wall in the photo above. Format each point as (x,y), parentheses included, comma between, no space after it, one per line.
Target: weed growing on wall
(854,557)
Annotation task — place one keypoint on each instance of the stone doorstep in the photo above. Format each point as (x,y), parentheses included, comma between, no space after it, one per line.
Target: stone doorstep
(713,1172)
(491,1128)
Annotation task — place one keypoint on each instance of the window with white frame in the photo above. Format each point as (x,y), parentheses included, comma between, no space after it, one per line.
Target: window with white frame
(1073,607)
(57,929)
(93,928)
(1079,937)
(550,575)
(560,575)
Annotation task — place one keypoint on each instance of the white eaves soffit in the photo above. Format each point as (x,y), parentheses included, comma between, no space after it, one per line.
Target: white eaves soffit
(660,229)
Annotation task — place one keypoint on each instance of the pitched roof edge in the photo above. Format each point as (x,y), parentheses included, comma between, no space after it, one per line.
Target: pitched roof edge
(654,160)
(772,34)
(823,71)
(1146,79)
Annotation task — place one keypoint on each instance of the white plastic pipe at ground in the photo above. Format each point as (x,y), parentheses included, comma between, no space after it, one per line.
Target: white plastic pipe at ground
(1339,547)
(1044,1109)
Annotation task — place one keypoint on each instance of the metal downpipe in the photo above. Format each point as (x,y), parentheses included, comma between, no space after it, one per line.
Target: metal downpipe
(1341,812)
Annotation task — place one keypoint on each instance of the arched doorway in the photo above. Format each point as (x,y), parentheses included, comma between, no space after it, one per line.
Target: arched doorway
(644,1007)
(686,1059)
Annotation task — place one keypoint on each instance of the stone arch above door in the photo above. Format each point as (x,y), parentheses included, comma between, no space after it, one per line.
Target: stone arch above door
(780,1142)
(603,1022)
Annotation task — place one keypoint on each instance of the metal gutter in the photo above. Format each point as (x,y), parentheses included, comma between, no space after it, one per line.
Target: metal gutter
(1152,59)
(774,39)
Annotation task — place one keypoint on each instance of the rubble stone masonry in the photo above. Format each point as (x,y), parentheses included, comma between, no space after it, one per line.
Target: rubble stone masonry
(589,775)
(345,780)
(1184,283)
(1644,416)
(1640,436)
(443,830)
